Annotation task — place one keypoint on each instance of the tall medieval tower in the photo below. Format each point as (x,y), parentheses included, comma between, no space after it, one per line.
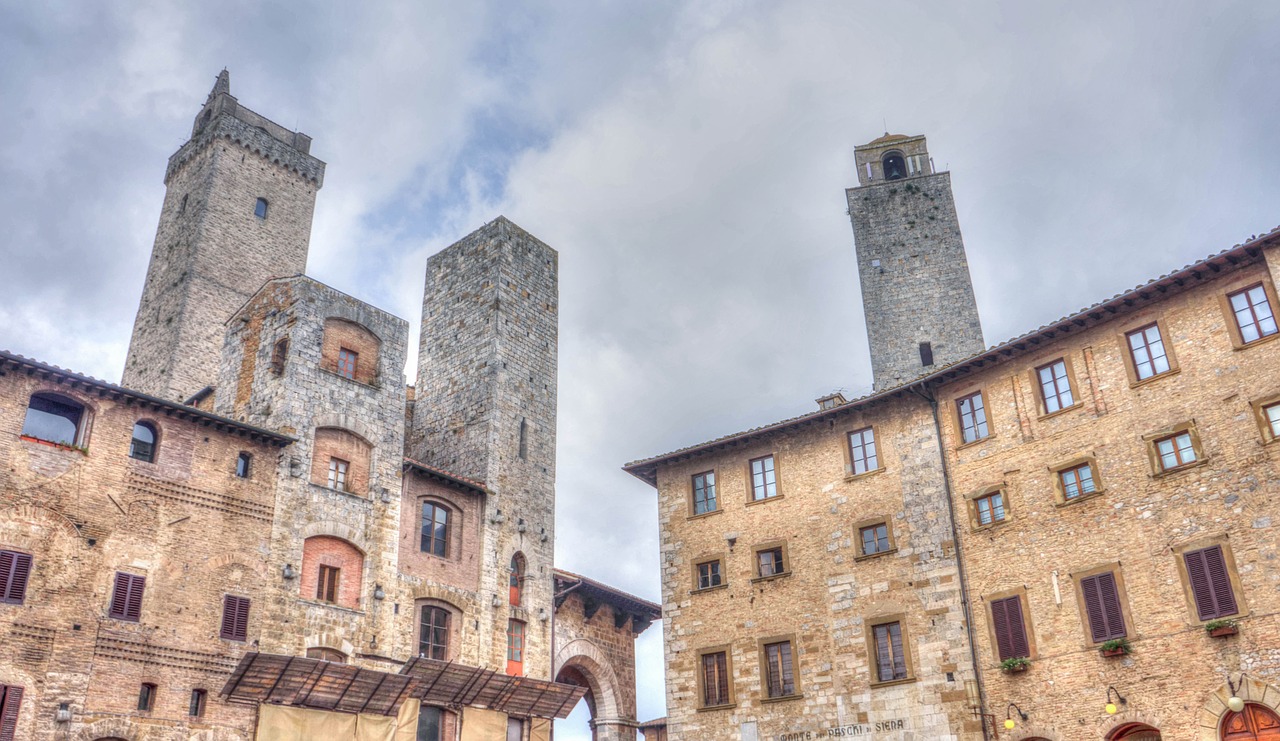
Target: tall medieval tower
(916,293)
(237,212)
(485,408)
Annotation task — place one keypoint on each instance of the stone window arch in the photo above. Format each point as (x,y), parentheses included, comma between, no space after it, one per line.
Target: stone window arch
(57,419)
(332,571)
(340,460)
(350,350)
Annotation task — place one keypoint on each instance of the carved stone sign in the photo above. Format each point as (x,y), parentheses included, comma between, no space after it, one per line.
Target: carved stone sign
(847,731)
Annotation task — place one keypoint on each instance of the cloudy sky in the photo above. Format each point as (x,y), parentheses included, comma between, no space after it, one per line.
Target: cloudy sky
(687,159)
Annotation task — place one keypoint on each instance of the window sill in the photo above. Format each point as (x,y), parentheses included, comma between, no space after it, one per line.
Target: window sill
(854,477)
(1064,410)
(1081,498)
(877,554)
(349,494)
(56,446)
(782,698)
(974,443)
(892,682)
(1133,384)
(331,605)
(712,708)
(369,384)
(705,514)
(702,590)
(771,577)
(990,525)
(1162,473)
(752,502)
(1255,343)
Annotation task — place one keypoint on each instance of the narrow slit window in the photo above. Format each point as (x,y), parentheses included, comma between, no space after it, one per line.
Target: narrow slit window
(279,354)
(260,208)
(146,697)
(198,699)
(524,439)
(926,354)
(243,462)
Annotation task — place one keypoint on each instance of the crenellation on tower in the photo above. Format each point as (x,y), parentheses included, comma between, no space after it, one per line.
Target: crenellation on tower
(917,295)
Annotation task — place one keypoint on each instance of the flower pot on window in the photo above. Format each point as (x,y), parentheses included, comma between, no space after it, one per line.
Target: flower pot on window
(1012,666)
(1115,647)
(1225,630)
(1114,652)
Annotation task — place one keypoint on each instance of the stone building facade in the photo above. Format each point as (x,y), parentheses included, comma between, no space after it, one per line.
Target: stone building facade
(273,530)
(1078,526)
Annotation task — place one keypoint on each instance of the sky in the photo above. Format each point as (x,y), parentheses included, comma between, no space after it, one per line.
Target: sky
(688,160)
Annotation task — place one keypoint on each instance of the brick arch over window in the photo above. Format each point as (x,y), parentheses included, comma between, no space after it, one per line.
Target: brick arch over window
(340,460)
(1214,710)
(320,556)
(1119,726)
(350,350)
(464,602)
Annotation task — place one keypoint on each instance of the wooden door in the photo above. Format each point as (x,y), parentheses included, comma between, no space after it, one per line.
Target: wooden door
(1254,723)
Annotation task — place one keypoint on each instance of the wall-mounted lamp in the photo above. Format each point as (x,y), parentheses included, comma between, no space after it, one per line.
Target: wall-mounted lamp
(495,601)
(1234,703)
(498,517)
(378,593)
(295,466)
(63,714)
(1111,706)
(542,535)
(287,572)
(386,495)
(542,614)
(520,526)
(1009,723)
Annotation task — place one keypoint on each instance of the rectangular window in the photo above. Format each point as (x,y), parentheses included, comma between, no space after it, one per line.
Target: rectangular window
(862,451)
(1210,583)
(515,729)
(347,363)
(327,584)
(15,570)
(926,354)
(260,208)
(973,417)
(1176,450)
(709,574)
(715,679)
(433,635)
(1077,481)
(990,508)
(242,465)
(430,724)
(435,529)
(235,618)
(515,648)
(891,661)
(146,697)
(1146,348)
(875,539)
(126,600)
(704,493)
(764,480)
(198,699)
(779,679)
(770,562)
(1102,607)
(338,474)
(1055,386)
(1253,314)
(10,704)
(1271,413)
(1009,628)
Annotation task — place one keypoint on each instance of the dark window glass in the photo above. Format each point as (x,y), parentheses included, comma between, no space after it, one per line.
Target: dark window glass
(715,679)
(147,697)
(524,439)
(779,680)
(242,465)
(1146,347)
(1055,386)
(143,446)
(279,355)
(875,539)
(1078,481)
(1253,313)
(891,661)
(198,698)
(973,417)
(260,208)
(862,451)
(430,722)
(926,354)
(1176,450)
(435,529)
(433,635)
(895,167)
(708,574)
(704,493)
(764,480)
(53,419)
(770,562)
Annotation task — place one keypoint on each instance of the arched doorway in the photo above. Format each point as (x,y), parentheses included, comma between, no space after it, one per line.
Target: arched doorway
(1254,723)
(1134,732)
(573,675)
(582,663)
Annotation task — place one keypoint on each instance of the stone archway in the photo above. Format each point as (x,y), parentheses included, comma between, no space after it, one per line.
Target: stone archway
(582,663)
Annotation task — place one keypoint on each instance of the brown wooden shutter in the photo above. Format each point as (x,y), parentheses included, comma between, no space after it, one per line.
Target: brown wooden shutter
(1210,583)
(1011,632)
(135,597)
(235,618)
(1102,604)
(126,601)
(18,583)
(9,712)
(884,659)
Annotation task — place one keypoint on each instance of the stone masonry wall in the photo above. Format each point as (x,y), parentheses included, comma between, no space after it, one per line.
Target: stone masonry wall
(831,592)
(603,653)
(914,276)
(1135,526)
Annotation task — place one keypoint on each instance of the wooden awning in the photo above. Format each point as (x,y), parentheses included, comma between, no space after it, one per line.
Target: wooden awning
(343,688)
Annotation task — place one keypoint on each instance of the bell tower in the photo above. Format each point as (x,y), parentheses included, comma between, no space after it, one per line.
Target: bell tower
(239,197)
(917,296)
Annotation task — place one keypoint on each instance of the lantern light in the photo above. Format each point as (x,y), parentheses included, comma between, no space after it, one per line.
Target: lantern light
(1009,722)
(1111,707)
(1234,703)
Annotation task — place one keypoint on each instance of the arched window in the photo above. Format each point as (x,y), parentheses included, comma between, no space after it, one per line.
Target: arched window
(435,529)
(517,578)
(54,419)
(327,654)
(143,445)
(895,167)
(433,632)
(260,208)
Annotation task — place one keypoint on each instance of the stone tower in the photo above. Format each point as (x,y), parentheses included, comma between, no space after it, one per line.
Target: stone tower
(916,293)
(239,197)
(485,408)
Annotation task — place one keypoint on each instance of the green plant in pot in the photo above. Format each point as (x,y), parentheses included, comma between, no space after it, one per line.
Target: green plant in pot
(1222,627)
(1115,647)
(1016,664)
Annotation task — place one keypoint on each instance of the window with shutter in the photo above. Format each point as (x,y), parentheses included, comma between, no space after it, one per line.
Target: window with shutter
(1102,607)
(15,570)
(327,584)
(126,600)
(10,702)
(1210,583)
(1009,628)
(235,618)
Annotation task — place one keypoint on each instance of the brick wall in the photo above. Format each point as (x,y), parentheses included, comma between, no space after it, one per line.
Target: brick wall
(324,551)
(332,442)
